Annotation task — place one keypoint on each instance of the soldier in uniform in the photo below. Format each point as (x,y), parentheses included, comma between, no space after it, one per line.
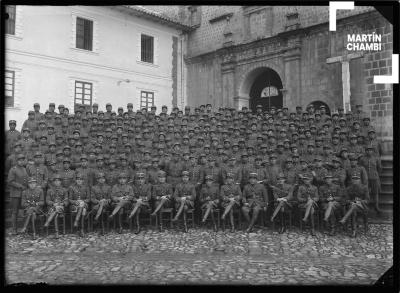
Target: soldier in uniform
(174,170)
(283,195)
(234,169)
(67,175)
(141,199)
(32,201)
(331,201)
(56,201)
(372,165)
(17,181)
(162,195)
(122,196)
(38,171)
(209,199)
(355,168)
(100,197)
(357,198)
(12,136)
(307,197)
(230,198)
(255,199)
(79,199)
(184,196)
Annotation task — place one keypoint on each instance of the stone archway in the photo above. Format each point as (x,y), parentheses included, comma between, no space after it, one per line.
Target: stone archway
(261,85)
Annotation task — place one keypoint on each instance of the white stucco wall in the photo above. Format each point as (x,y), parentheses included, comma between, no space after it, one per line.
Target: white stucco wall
(46,62)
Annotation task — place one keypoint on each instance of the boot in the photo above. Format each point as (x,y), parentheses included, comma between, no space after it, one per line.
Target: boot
(354,233)
(332,231)
(283,224)
(56,236)
(312,225)
(184,223)
(249,229)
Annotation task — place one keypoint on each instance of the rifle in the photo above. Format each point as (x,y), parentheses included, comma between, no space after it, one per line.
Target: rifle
(228,208)
(137,206)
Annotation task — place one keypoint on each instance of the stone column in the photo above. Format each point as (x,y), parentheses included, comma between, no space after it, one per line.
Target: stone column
(228,80)
(292,92)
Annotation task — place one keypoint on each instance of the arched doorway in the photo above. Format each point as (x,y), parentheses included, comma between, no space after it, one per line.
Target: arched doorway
(266,90)
(318,104)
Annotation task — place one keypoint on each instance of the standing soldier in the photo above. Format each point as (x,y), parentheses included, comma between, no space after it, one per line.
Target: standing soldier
(357,197)
(17,181)
(372,165)
(38,171)
(174,170)
(230,197)
(318,172)
(184,196)
(79,198)
(12,136)
(283,194)
(254,199)
(161,194)
(67,175)
(209,199)
(234,169)
(141,199)
(85,171)
(307,197)
(355,168)
(100,197)
(338,172)
(331,201)
(11,160)
(121,195)
(56,200)
(33,202)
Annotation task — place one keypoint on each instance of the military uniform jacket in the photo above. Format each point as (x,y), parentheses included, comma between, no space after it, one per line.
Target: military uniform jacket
(39,172)
(255,193)
(32,197)
(357,190)
(57,195)
(372,166)
(319,175)
(87,175)
(162,189)
(291,175)
(77,192)
(11,137)
(211,192)
(236,170)
(272,173)
(100,191)
(215,172)
(119,190)
(306,192)
(334,190)
(283,191)
(142,191)
(17,181)
(67,177)
(231,190)
(360,171)
(340,173)
(185,189)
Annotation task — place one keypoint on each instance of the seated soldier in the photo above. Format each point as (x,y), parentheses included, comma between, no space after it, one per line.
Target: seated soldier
(56,201)
(184,196)
(331,201)
(307,197)
(255,199)
(357,198)
(32,201)
(230,197)
(79,198)
(161,194)
(141,199)
(209,200)
(283,194)
(100,197)
(122,196)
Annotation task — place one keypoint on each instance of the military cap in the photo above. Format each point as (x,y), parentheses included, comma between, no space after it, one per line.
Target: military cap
(253,175)
(100,158)
(52,162)
(59,152)
(371,130)
(26,129)
(95,105)
(353,157)
(12,122)
(66,147)
(31,112)
(342,118)
(211,159)
(100,134)
(108,104)
(66,160)
(20,156)
(273,156)
(289,159)
(281,176)
(17,143)
(343,150)
(38,154)
(36,105)
(353,136)
(317,158)
(83,157)
(209,178)
(230,175)
(328,176)
(56,177)
(335,159)
(318,138)
(79,175)
(306,176)
(122,175)
(185,173)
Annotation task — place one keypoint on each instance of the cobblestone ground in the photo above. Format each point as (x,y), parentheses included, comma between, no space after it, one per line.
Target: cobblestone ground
(201,256)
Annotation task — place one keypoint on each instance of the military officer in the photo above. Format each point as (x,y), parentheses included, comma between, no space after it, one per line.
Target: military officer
(209,199)
(184,196)
(79,199)
(141,199)
(230,198)
(100,197)
(307,197)
(162,195)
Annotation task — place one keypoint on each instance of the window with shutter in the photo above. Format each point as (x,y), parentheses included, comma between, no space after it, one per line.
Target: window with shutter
(84,34)
(10,19)
(9,88)
(147,48)
(83,94)
(146,100)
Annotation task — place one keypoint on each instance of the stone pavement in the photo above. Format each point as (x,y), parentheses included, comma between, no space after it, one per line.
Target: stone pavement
(202,256)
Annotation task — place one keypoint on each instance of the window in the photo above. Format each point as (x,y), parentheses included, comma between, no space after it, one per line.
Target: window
(10,20)
(269,91)
(146,100)
(147,49)
(83,94)
(9,88)
(84,34)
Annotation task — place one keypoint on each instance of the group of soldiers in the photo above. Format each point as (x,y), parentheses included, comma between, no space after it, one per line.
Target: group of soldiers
(126,163)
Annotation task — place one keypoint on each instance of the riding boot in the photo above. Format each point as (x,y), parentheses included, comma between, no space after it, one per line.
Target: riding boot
(312,224)
(283,223)
(232,221)
(184,222)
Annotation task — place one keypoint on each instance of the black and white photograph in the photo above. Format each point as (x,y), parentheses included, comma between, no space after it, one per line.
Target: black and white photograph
(201,144)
